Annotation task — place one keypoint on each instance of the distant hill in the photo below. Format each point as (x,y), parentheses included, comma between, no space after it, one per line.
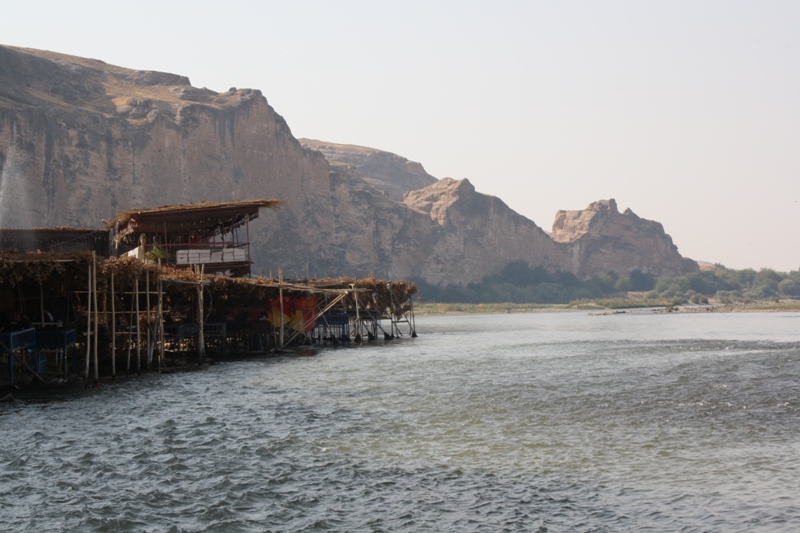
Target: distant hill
(81,140)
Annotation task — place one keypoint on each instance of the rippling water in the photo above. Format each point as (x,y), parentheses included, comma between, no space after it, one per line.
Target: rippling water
(549,422)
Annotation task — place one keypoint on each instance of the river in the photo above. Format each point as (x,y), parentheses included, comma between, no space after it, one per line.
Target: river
(520,422)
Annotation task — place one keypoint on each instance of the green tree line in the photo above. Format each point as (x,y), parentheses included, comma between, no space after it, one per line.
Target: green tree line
(518,282)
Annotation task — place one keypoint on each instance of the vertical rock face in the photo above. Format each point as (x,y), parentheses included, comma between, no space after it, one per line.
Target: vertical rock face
(385,171)
(601,238)
(478,234)
(81,140)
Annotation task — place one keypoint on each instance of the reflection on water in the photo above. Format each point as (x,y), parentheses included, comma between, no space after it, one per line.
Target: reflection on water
(556,421)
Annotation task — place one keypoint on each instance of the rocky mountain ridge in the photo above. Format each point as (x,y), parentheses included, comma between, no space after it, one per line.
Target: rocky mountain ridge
(81,140)
(385,171)
(606,239)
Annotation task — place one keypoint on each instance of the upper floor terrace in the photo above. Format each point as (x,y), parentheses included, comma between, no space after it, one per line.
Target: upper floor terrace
(213,234)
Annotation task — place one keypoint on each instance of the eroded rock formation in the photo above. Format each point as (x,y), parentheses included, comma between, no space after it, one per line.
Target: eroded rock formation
(478,233)
(385,171)
(602,238)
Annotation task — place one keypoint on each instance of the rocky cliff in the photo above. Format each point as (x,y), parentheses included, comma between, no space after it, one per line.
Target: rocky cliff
(479,234)
(385,171)
(81,140)
(601,238)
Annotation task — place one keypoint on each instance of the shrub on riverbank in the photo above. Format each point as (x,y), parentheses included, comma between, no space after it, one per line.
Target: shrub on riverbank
(518,283)
(626,303)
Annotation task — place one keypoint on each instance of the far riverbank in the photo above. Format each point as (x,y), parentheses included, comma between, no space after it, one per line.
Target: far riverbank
(438,309)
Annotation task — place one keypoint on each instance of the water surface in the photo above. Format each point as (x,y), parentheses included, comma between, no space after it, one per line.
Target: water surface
(542,421)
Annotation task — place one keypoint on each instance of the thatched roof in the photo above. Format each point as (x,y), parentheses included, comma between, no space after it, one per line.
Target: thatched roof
(201,219)
(194,211)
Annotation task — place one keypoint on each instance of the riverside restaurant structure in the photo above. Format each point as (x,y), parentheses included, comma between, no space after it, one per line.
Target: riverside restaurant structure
(175,290)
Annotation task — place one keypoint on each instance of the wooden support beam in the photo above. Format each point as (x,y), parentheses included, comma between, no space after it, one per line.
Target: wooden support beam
(307,323)
(138,328)
(201,342)
(96,315)
(88,325)
(162,360)
(280,291)
(113,331)
(150,339)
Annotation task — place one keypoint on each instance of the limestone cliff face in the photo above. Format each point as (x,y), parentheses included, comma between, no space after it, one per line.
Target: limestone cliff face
(601,238)
(365,224)
(385,171)
(479,233)
(81,140)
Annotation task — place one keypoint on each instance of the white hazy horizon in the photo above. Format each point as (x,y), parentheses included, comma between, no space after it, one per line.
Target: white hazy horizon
(686,112)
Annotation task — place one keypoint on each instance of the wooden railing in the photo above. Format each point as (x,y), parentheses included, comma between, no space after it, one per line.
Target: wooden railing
(197,253)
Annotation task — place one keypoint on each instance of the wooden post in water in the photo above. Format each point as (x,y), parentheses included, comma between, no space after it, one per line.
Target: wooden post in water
(201,341)
(158,331)
(138,328)
(96,314)
(130,341)
(65,320)
(162,361)
(88,324)
(105,308)
(280,293)
(113,331)
(413,321)
(149,322)
(358,318)
(391,309)
(41,303)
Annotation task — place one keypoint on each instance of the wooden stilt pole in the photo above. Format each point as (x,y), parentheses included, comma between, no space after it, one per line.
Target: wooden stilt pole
(201,341)
(113,332)
(280,292)
(358,317)
(138,329)
(250,275)
(64,321)
(150,336)
(162,360)
(21,300)
(88,324)
(391,310)
(96,314)
(413,320)
(130,341)
(41,303)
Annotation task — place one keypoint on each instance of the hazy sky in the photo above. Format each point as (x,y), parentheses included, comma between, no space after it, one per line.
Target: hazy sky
(686,112)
